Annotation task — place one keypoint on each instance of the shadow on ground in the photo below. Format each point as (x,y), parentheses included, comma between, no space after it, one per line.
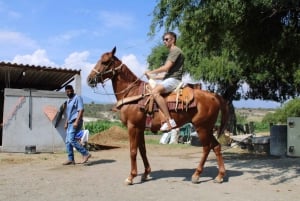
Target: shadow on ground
(98,162)
(99,147)
(264,166)
(208,174)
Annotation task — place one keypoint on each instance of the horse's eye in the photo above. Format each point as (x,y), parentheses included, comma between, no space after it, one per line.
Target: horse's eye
(105,63)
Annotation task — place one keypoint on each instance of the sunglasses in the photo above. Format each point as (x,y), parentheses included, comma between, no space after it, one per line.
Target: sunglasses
(166,39)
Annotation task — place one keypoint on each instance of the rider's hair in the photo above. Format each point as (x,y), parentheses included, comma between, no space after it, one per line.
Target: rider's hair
(171,34)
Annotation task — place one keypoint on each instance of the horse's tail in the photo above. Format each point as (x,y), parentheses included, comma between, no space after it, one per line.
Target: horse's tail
(224,114)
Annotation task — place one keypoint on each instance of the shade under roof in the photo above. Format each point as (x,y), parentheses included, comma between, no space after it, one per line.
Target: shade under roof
(35,77)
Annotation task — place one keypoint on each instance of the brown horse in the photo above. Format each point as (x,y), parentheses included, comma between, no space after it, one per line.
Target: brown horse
(126,86)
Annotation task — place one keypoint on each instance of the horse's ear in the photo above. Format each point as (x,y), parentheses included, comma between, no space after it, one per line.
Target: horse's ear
(114,50)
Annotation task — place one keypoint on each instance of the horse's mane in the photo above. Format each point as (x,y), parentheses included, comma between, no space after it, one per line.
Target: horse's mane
(128,74)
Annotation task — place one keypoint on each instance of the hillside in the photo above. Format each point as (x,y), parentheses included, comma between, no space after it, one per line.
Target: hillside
(251,114)
(100,111)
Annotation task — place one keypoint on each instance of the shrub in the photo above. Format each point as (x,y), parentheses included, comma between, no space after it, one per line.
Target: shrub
(99,126)
(289,109)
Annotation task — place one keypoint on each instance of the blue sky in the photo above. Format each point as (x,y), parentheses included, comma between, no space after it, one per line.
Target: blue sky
(74,33)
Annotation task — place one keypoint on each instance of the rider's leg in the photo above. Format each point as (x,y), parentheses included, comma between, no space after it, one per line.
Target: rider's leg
(162,105)
(157,91)
(170,123)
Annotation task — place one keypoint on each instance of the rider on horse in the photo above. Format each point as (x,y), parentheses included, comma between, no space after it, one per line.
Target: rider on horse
(173,69)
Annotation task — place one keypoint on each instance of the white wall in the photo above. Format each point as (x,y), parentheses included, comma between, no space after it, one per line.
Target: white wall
(20,129)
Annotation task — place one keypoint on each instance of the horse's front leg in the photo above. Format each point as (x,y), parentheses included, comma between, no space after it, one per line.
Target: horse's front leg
(133,153)
(143,152)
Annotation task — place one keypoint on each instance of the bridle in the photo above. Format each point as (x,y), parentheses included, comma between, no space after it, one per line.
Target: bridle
(99,75)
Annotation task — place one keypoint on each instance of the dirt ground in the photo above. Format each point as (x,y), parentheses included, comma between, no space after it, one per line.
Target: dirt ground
(250,176)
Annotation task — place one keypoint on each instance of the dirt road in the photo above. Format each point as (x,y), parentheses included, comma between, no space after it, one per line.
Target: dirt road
(37,177)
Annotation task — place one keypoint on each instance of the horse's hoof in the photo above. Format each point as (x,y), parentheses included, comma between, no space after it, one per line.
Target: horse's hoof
(218,180)
(145,178)
(128,182)
(195,179)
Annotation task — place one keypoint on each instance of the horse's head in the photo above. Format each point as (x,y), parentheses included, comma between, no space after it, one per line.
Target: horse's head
(105,68)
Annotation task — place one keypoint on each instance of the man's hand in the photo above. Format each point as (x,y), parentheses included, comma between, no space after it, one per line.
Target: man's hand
(147,73)
(75,124)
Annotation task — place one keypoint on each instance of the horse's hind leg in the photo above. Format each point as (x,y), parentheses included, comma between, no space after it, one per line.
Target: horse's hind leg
(143,152)
(199,169)
(221,174)
(209,142)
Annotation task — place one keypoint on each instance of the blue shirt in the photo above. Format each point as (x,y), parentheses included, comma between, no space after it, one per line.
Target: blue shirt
(74,105)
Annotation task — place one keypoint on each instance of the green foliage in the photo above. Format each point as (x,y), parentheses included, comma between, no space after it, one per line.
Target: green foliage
(261,127)
(271,117)
(231,42)
(240,119)
(289,109)
(99,126)
(157,57)
(292,108)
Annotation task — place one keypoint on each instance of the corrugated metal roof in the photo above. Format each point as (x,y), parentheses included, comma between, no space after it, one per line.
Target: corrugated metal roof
(21,76)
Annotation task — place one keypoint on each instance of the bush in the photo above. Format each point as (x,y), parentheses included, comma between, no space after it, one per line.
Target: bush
(289,109)
(261,127)
(271,118)
(99,126)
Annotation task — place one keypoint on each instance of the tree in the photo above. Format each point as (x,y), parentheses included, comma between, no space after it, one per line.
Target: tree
(231,42)
(289,109)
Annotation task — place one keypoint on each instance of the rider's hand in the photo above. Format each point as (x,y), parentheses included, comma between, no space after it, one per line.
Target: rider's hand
(147,73)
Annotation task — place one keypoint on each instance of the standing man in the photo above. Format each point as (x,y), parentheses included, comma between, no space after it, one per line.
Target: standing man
(173,69)
(73,125)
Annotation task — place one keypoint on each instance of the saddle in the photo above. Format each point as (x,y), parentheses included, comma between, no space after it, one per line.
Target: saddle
(181,98)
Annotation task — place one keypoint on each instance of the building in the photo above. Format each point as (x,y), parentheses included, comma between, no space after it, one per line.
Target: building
(30,100)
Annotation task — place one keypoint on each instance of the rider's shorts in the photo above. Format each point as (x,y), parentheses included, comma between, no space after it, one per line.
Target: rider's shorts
(170,84)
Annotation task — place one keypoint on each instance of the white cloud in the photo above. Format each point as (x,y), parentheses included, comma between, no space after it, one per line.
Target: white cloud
(134,65)
(16,39)
(39,57)
(79,61)
(15,43)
